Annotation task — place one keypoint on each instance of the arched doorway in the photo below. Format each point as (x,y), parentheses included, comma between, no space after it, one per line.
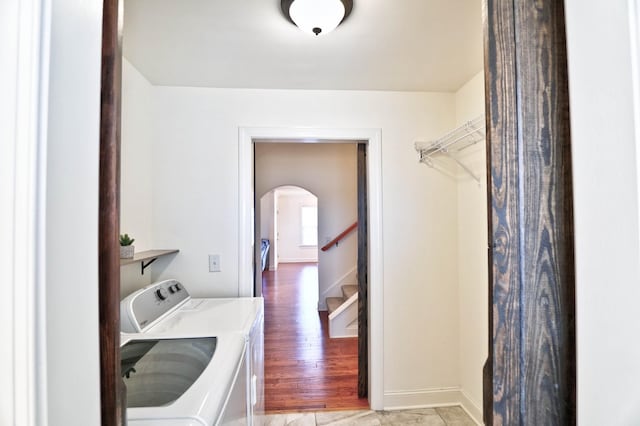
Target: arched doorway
(288,227)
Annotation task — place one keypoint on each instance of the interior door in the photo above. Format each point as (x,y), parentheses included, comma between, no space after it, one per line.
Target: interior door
(363,269)
(112,390)
(531,371)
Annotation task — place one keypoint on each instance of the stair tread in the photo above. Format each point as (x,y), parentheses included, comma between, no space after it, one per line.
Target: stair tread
(349,290)
(333,303)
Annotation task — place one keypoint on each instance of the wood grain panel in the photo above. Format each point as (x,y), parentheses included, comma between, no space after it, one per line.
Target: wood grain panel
(502,134)
(304,368)
(532,356)
(112,391)
(548,301)
(363,277)
(487,368)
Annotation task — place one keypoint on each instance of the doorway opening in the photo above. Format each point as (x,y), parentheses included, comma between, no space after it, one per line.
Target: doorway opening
(287,227)
(304,286)
(369,158)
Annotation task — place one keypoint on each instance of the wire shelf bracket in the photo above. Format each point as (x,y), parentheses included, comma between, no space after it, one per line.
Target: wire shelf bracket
(452,143)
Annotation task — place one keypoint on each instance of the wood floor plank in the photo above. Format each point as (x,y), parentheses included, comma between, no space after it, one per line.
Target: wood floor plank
(304,369)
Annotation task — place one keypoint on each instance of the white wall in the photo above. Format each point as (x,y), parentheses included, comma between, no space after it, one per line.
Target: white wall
(267,216)
(136,173)
(72,214)
(329,172)
(289,217)
(268,227)
(606,212)
(472,251)
(9,116)
(195,201)
(24,66)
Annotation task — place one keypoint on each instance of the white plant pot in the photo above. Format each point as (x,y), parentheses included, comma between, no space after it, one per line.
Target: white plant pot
(126,252)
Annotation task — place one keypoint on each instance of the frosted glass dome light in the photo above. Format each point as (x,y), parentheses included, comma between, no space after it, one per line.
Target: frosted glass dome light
(316,16)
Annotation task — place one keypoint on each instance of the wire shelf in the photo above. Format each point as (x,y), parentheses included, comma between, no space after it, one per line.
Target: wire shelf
(450,144)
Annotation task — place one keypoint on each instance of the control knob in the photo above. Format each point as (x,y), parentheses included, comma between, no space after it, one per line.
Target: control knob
(161,293)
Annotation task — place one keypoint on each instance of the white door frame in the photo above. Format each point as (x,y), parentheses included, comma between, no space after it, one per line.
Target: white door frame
(634,24)
(247,136)
(24,41)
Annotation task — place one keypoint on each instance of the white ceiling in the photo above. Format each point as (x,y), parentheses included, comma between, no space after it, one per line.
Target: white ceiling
(407,45)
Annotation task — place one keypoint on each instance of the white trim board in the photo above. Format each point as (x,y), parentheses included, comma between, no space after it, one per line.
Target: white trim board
(474,411)
(25,44)
(432,398)
(634,24)
(298,260)
(373,138)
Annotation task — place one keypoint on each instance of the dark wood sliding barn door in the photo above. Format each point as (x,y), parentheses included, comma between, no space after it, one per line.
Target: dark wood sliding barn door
(530,375)
(363,271)
(113,410)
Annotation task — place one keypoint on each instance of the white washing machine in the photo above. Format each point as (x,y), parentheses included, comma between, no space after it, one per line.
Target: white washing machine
(165,311)
(185,380)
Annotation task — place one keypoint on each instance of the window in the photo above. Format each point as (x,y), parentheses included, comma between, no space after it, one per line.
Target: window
(309,224)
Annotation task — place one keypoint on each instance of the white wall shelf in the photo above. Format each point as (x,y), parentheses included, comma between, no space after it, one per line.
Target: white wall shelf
(146,258)
(450,144)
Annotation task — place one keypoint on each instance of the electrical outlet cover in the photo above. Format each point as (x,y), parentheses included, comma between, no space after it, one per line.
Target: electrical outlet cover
(214,263)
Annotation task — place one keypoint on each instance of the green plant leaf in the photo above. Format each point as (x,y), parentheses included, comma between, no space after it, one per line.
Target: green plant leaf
(125,240)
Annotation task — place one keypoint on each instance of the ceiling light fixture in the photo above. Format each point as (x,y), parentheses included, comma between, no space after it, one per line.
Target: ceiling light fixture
(316,16)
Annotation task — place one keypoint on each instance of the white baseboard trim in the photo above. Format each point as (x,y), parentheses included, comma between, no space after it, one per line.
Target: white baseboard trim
(421,398)
(299,260)
(473,410)
(432,398)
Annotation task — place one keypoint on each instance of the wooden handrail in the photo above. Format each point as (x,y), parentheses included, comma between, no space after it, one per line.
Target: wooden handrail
(337,239)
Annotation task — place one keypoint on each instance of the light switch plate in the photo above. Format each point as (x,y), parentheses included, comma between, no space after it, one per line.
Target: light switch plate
(214,263)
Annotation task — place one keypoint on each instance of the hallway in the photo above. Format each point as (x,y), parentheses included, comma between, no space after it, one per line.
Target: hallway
(304,369)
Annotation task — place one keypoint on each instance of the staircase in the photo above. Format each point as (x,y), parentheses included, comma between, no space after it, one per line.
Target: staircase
(343,313)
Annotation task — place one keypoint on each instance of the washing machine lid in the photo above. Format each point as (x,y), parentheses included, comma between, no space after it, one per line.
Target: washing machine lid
(159,371)
(204,400)
(212,315)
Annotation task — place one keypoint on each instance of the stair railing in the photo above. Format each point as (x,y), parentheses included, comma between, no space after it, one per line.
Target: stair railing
(340,237)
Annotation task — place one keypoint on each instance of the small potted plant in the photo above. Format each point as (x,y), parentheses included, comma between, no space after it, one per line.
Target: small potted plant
(126,246)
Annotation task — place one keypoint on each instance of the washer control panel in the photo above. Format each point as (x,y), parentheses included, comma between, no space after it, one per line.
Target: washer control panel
(142,308)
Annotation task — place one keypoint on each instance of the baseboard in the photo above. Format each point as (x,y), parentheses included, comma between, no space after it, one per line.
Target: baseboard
(473,410)
(421,398)
(299,260)
(431,398)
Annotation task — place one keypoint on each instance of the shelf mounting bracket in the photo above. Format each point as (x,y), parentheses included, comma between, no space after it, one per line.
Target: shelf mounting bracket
(461,164)
(145,265)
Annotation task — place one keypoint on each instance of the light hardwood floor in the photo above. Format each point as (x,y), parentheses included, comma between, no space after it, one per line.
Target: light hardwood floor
(304,369)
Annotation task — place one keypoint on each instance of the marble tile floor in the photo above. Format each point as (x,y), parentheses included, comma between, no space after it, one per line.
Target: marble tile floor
(441,416)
